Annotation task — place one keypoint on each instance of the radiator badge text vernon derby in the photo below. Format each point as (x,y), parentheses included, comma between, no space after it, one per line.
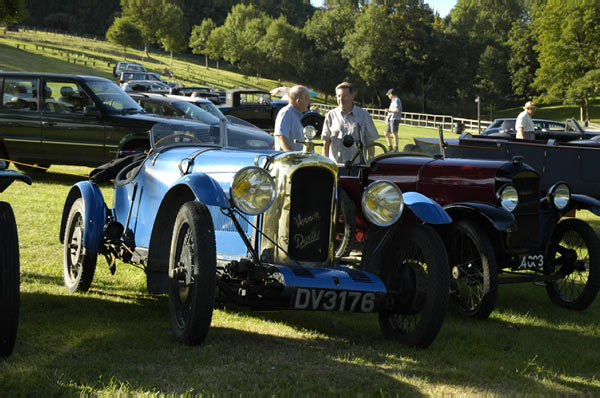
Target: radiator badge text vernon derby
(303,240)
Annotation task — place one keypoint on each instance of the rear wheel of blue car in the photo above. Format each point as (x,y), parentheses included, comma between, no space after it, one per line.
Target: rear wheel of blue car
(192,270)
(474,270)
(415,273)
(573,253)
(9,280)
(78,264)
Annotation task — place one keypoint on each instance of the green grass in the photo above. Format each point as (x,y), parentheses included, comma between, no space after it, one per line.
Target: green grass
(116,338)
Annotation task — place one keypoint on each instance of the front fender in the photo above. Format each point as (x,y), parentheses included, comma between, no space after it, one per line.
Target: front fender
(205,188)
(499,218)
(579,201)
(94,214)
(426,209)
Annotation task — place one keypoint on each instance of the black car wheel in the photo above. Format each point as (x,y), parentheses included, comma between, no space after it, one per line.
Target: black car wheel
(345,226)
(78,265)
(474,270)
(192,270)
(9,280)
(415,273)
(573,251)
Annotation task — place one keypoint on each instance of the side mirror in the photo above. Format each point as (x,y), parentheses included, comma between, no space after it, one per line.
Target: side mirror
(348,141)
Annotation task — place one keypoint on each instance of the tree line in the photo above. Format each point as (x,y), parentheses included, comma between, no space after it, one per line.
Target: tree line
(503,53)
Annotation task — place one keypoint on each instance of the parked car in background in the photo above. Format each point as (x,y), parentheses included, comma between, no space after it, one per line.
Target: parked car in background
(197,91)
(237,136)
(501,231)
(9,265)
(127,76)
(69,119)
(223,225)
(566,131)
(151,86)
(257,107)
(129,66)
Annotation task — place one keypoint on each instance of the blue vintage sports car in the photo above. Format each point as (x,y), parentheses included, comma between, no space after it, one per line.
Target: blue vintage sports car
(9,265)
(256,228)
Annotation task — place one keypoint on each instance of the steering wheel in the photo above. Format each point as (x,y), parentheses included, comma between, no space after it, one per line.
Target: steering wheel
(174,137)
(373,144)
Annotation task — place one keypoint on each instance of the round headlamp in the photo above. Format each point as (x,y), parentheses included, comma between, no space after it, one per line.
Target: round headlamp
(508,197)
(382,203)
(309,132)
(559,195)
(252,190)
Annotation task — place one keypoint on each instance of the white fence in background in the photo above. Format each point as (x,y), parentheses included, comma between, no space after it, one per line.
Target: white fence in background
(447,123)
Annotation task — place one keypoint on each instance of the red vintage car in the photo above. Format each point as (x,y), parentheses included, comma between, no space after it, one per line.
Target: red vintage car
(502,232)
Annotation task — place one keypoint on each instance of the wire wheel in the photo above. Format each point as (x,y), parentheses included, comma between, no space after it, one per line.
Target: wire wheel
(573,253)
(474,270)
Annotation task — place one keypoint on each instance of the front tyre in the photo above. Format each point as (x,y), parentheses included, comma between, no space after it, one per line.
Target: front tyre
(574,253)
(78,264)
(474,270)
(9,280)
(192,274)
(415,273)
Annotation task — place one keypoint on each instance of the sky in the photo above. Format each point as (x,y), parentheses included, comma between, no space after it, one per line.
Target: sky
(441,6)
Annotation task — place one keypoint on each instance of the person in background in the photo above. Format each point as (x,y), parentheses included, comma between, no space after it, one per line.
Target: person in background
(393,119)
(347,119)
(288,124)
(524,124)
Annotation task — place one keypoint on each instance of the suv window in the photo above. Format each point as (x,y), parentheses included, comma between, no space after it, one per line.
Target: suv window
(113,98)
(65,97)
(20,94)
(255,98)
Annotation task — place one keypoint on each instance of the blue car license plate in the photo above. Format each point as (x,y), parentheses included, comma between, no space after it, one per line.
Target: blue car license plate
(333,300)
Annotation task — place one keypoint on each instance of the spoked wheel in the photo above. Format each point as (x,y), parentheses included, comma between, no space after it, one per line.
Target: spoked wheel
(192,271)
(345,226)
(78,265)
(415,273)
(9,280)
(574,253)
(474,270)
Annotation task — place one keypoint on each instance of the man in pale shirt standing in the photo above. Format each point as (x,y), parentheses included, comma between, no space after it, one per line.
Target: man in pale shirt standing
(524,125)
(393,119)
(347,119)
(288,124)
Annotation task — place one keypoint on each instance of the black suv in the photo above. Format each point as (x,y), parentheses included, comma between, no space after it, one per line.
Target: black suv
(65,119)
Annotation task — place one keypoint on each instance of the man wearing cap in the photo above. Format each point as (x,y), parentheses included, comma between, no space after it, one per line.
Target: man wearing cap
(393,119)
(524,124)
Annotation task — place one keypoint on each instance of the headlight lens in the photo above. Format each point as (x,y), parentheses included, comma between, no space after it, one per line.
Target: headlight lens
(252,190)
(509,197)
(382,203)
(560,195)
(309,132)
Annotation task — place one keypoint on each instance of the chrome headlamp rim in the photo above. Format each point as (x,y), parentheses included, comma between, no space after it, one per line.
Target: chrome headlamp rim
(366,203)
(245,205)
(508,196)
(309,132)
(559,195)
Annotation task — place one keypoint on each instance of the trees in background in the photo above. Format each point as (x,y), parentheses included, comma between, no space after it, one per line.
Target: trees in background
(123,32)
(12,11)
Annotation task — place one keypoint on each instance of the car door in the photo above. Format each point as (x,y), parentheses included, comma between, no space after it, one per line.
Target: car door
(69,136)
(20,122)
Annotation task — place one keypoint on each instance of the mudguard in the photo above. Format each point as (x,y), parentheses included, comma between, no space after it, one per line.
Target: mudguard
(426,209)
(205,188)
(499,218)
(94,214)
(579,201)
(8,176)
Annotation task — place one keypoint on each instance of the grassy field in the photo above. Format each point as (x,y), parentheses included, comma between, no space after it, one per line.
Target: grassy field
(116,338)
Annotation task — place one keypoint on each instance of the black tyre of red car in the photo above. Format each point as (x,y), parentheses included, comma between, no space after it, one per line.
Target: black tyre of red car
(474,270)
(345,226)
(574,250)
(415,272)
(192,270)
(78,265)
(9,280)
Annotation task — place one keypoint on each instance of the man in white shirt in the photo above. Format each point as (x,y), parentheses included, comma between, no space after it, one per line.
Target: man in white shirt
(524,125)
(347,119)
(393,119)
